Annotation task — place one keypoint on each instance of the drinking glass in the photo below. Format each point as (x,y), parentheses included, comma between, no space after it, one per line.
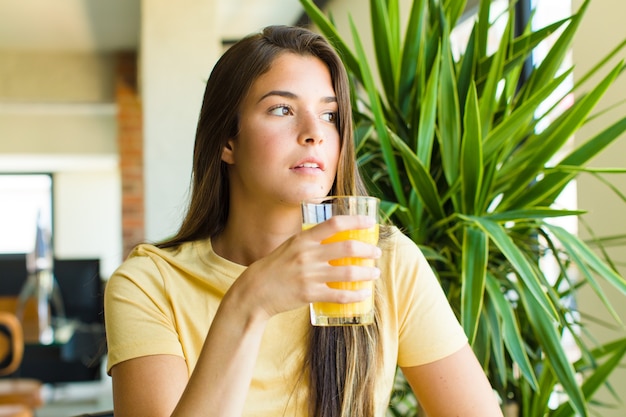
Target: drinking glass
(320,209)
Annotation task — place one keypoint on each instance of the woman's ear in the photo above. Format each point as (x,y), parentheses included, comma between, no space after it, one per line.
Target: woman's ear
(228,152)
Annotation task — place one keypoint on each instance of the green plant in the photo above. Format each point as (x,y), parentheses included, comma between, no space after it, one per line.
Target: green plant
(452,146)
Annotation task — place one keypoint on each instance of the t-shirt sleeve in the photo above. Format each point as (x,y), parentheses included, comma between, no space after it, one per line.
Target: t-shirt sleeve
(428,329)
(138,316)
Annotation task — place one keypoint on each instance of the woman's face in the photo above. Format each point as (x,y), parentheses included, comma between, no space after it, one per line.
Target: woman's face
(287,148)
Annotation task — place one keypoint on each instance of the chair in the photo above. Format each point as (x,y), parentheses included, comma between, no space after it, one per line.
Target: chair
(11,343)
(18,396)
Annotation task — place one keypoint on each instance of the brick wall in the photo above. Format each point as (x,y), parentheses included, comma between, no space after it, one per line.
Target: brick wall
(130,147)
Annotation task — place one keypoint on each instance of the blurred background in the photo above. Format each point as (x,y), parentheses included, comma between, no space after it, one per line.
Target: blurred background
(98,108)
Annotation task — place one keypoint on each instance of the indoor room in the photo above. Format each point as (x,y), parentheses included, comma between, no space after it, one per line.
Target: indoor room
(99,110)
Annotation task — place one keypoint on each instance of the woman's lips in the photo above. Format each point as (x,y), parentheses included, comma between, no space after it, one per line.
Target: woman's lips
(309,164)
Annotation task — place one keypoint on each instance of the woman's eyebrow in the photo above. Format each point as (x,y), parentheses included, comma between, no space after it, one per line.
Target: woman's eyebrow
(290,95)
(280,93)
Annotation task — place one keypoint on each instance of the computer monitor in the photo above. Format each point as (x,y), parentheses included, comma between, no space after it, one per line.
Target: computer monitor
(79,282)
(12,273)
(81,288)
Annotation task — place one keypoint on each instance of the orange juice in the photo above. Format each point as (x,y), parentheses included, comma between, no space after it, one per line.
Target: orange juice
(329,314)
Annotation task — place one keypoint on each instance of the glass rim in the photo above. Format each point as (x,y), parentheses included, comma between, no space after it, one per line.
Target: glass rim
(323,199)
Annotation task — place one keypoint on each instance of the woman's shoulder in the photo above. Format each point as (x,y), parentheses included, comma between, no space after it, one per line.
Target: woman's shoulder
(394,240)
(146,259)
(402,261)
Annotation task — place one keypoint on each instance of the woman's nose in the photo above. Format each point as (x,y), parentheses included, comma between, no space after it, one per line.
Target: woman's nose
(311,132)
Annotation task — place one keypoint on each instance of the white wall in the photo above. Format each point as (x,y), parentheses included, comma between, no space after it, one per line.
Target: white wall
(57,129)
(179,45)
(602,29)
(32,76)
(87,218)
(62,120)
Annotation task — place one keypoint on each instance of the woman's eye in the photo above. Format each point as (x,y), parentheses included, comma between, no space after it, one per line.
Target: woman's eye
(330,117)
(280,111)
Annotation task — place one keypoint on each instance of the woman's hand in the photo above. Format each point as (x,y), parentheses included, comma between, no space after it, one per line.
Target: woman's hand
(296,273)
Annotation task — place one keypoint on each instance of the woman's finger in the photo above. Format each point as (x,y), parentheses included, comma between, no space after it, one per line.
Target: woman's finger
(336,224)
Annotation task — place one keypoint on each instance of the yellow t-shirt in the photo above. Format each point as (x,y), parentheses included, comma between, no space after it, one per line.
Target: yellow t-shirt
(163,301)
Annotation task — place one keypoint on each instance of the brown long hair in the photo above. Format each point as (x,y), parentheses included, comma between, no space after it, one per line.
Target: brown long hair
(341,361)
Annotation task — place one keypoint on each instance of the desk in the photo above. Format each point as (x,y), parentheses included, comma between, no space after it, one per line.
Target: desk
(75,355)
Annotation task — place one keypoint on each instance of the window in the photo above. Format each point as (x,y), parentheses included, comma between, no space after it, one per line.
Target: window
(25,199)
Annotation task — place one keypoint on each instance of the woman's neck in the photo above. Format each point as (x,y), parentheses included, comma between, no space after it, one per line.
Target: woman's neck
(249,236)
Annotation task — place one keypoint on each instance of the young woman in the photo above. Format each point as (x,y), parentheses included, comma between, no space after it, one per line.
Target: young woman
(215,321)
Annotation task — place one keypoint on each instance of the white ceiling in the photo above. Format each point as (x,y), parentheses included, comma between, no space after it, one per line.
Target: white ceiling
(106,25)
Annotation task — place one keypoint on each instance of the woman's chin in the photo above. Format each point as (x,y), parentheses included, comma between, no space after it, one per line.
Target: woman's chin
(307,193)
